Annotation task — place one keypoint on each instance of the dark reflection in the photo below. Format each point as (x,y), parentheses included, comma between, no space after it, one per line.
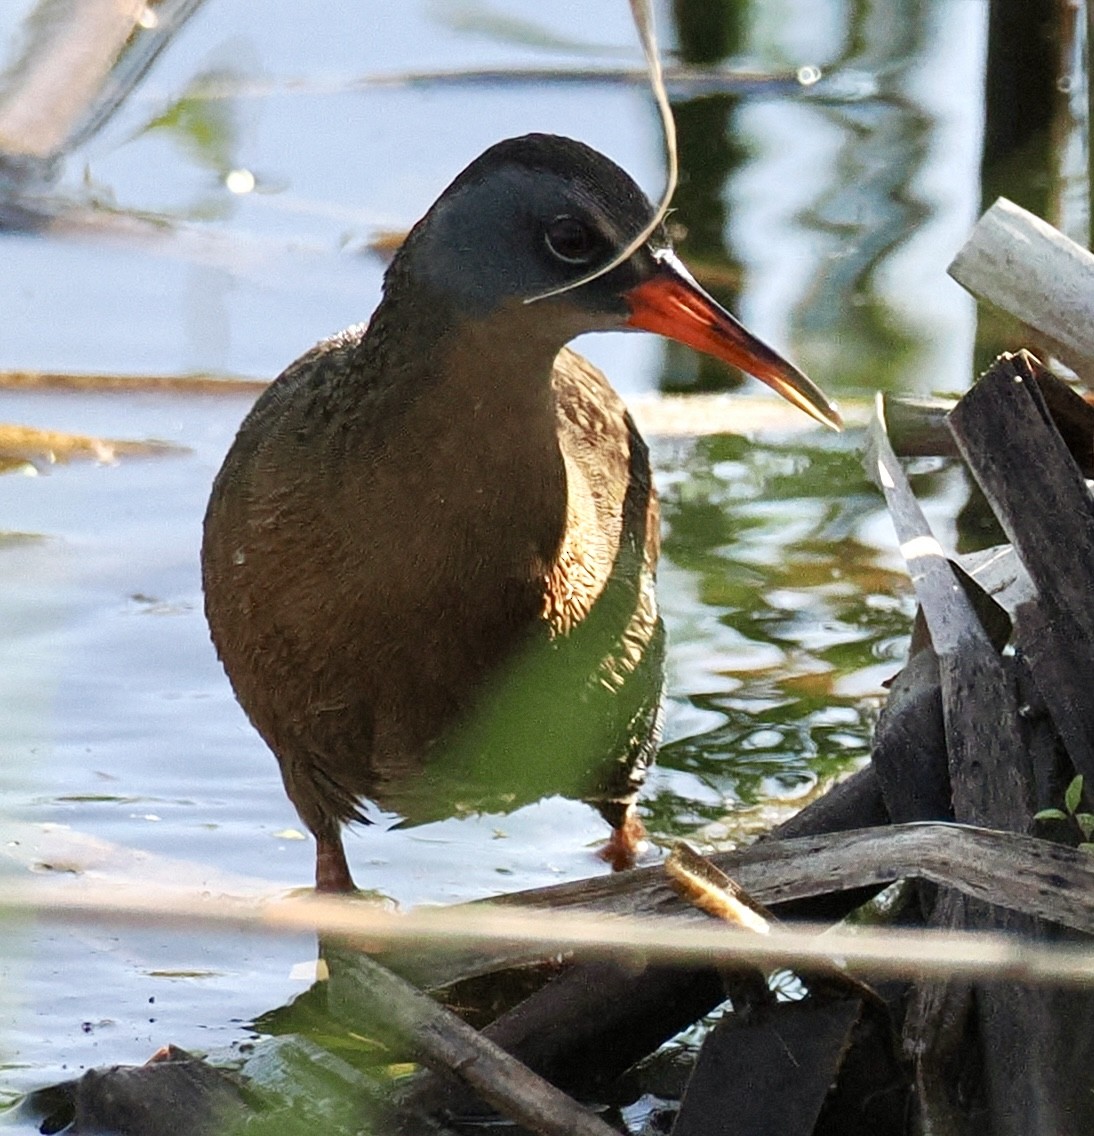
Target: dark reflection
(708,32)
(1021,104)
(770,535)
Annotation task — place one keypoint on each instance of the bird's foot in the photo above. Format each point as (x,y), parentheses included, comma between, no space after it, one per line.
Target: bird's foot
(625,842)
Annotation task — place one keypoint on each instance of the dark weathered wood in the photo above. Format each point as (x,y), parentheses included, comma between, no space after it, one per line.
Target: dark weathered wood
(909,751)
(366,995)
(1043,504)
(980,711)
(1046,879)
(769,1073)
(972,1044)
(1052,769)
(871,1096)
(1071,414)
(586,1028)
(1001,1057)
(940,1040)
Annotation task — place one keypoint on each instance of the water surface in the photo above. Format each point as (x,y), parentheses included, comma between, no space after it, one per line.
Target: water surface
(825,214)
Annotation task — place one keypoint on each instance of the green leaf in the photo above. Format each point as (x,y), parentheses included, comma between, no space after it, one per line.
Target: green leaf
(1085,821)
(1074,793)
(1050,814)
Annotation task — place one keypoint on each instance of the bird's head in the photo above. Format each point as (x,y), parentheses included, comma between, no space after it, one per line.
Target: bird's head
(534,214)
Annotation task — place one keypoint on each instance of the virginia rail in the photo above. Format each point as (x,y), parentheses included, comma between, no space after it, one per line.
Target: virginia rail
(429,555)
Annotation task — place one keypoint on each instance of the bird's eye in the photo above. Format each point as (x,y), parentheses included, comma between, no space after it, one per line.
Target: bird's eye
(572,240)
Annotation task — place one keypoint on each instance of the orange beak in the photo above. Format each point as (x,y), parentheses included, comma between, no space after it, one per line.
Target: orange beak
(672,303)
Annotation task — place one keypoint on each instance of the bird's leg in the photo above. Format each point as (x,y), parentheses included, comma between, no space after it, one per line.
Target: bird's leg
(331,869)
(623,845)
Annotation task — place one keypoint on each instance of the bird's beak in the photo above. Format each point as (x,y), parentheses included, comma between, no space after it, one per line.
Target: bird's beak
(671,303)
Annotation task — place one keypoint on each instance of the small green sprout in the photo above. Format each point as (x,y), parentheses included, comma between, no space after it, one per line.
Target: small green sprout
(1083,821)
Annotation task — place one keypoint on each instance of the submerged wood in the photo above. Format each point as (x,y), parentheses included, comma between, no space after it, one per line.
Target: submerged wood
(142,384)
(366,995)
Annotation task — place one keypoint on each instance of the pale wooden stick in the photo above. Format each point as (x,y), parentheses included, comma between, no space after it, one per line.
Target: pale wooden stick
(1021,264)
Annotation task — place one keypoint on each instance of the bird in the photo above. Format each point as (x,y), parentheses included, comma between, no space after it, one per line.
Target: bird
(428,558)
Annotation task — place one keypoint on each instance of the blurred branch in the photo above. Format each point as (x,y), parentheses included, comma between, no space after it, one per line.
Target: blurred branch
(1046,879)
(79,61)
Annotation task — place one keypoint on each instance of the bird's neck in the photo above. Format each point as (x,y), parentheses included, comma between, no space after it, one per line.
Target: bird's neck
(477,427)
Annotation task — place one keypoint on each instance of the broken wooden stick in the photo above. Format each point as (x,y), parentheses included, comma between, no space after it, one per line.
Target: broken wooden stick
(1024,266)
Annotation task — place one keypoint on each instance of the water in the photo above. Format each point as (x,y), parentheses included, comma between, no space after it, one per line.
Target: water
(828,213)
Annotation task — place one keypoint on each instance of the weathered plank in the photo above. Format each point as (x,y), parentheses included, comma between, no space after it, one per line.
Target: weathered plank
(1042,501)
(909,751)
(771,1072)
(986,759)
(980,1037)
(1021,264)
(1036,876)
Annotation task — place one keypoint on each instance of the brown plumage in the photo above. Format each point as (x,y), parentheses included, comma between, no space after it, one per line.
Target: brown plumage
(429,555)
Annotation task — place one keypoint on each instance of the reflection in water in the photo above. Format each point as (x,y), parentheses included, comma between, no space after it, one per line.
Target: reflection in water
(866,207)
(855,153)
(1030,133)
(797,615)
(861,201)
(1020,103)
(1025,134)
(708,32)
